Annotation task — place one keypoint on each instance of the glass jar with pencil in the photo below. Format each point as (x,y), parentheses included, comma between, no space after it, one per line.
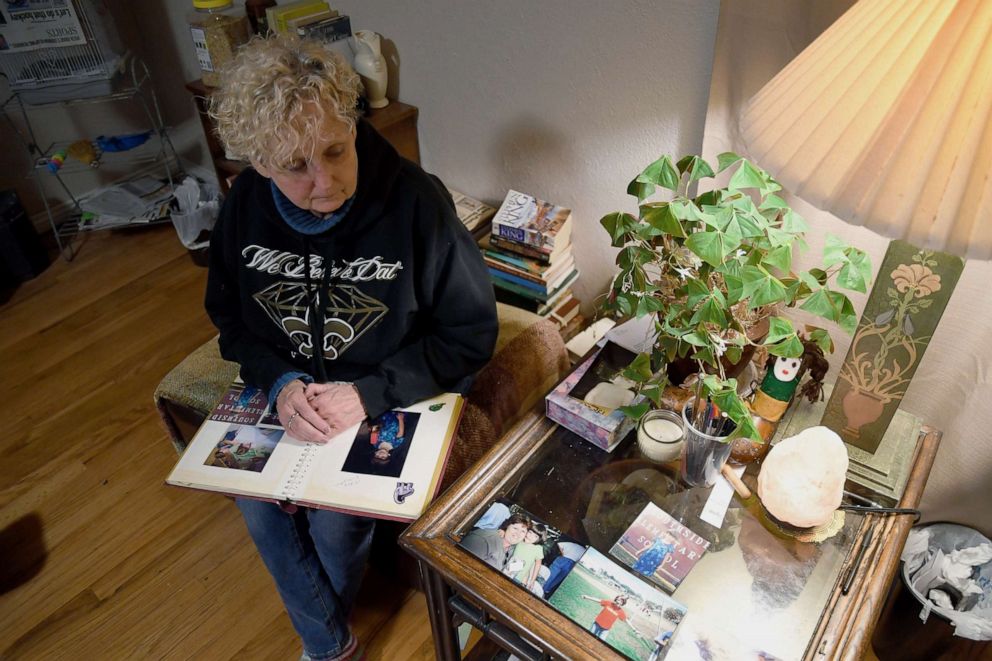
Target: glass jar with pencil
(706,446)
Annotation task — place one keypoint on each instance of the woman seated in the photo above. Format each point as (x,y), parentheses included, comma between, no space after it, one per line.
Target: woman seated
(344,285)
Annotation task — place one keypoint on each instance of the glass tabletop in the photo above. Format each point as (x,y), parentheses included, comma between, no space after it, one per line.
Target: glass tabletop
(757,593)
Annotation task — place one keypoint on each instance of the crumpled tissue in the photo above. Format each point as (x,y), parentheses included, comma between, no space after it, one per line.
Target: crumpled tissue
(957,584)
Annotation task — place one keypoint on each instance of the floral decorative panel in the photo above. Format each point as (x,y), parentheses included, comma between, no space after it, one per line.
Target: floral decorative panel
(910,293)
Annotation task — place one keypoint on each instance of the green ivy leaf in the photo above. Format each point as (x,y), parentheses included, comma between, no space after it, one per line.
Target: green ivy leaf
(793,223)
(834,251)
(639,370)
(710,311)
(635,411)
(696,291)
(696,167)
(661,173)
(779,258)
(653,393)
(663,219)
(618,224)
(777,237)
(696,339)
(625,305)
(711,247)
(822,339)
(779,328)
(791,347)
(856,273)
(726,159)
(640,190)
(761,287)
(733,354)
(747,176)
(773,202)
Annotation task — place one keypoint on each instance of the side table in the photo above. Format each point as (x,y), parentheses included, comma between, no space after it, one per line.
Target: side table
(753,591)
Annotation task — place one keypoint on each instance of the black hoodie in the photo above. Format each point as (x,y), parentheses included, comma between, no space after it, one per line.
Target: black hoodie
(408,311)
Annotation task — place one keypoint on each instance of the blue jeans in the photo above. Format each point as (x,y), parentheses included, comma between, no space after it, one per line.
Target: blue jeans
(316,558)
(559,570)
(599,631)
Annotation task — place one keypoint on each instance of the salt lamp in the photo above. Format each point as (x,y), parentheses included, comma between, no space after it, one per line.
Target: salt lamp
(802,479)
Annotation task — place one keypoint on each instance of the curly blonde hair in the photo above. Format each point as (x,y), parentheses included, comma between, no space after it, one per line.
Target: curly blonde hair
(259,107)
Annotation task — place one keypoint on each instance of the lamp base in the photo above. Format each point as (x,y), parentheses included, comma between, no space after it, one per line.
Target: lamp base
(880,476)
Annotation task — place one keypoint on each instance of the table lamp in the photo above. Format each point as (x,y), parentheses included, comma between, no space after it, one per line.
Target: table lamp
(885,121)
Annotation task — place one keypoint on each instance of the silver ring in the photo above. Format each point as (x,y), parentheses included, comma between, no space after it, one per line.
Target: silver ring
(292,419)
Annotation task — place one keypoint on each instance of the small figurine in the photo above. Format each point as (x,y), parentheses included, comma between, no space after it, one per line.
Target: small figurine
(782,379)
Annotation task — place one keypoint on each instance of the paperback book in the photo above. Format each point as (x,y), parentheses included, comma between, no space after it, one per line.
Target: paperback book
(523,266)
(526,220)
(526,250)
(388,467)
(631,616)
(540,308)
(471,212)
(659,548)
(529,290)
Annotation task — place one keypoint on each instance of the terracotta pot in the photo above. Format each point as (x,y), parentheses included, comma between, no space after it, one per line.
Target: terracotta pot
(860,408)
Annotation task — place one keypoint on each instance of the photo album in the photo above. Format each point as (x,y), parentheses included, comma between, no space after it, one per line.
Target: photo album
(389,467)
(628,614)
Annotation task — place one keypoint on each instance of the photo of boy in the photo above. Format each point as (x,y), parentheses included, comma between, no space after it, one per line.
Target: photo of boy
(244,448)
(382,444)
(631,616)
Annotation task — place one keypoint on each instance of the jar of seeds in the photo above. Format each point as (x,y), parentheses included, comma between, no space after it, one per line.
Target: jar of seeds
(217,29)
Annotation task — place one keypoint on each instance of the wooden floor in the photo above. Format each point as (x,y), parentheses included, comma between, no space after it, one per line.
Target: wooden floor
(98,559)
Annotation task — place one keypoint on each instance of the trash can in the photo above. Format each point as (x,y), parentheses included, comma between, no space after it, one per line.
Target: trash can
(911,627)
(22,254)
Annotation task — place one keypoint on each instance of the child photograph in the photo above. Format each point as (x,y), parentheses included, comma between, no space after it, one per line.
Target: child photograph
(245,448)
(632,617)
(528,551)
(382,444)
(659,548)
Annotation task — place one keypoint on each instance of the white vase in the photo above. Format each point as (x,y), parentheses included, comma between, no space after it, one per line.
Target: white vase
(371,66)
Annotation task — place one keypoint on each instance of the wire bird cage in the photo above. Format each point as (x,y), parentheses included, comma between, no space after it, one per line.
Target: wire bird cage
(87,68)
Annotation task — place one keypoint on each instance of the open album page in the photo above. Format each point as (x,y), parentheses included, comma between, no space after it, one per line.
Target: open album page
(389,466)
(239,459)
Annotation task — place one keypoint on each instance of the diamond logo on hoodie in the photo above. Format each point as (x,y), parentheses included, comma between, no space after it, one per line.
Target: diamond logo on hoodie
(348,314)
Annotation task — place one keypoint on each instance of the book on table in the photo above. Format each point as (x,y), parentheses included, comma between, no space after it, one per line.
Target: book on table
(389,467)
(532,223)
(506,245)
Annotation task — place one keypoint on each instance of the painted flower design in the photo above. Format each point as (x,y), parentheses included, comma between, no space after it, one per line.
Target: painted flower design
(916,277)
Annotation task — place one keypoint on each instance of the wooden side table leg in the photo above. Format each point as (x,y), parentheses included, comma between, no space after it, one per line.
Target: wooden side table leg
(445,635)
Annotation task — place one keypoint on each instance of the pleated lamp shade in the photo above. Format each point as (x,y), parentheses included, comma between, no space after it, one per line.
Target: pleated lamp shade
(884,121)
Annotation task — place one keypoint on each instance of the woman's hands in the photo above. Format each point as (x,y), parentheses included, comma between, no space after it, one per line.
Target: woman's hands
(319,411)
(337,404)
(298,416)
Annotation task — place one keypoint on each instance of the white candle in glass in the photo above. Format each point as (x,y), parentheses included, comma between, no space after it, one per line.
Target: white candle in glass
(659,435)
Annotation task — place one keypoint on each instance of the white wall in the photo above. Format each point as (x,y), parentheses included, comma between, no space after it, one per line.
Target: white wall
(567,100)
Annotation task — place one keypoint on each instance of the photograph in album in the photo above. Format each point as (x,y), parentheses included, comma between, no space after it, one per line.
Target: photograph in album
(245,448)
(381,446)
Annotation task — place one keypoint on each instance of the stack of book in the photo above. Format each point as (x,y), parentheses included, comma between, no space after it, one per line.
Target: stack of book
(530,259)
(310,19)
(475,215)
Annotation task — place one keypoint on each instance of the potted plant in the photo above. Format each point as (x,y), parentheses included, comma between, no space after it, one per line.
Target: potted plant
(709,269)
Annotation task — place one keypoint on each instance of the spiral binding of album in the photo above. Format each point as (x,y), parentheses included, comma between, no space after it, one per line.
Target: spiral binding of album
(296,476)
